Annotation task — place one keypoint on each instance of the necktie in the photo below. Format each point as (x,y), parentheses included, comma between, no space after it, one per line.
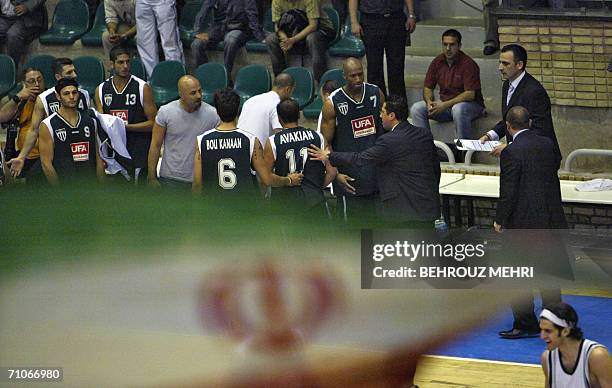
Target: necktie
(510,91)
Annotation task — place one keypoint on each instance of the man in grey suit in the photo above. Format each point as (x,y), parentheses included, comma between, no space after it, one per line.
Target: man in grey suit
(530,203)
(21,21)
(408,169)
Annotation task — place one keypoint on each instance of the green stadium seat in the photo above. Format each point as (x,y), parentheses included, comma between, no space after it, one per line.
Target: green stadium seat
(348,45)
(7,74)
(332,14)
(44,63)
(304,85)
(70,22)
(312,110)
(164,81)
(137,68)
(187,20)
(94,37)
(90,72)
(256,46)
(212,77)
(252,80)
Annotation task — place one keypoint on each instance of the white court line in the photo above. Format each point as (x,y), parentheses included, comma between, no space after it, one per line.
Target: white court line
(483,361)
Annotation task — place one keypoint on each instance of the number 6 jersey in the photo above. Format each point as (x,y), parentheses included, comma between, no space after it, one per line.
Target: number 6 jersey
(226,163)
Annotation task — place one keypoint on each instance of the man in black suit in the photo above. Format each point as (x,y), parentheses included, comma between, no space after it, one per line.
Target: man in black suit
(529,198)
(521,89)
(408,169)
(21,21)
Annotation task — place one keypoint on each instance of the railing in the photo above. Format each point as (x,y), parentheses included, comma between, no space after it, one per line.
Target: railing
(583,152)
(447,151)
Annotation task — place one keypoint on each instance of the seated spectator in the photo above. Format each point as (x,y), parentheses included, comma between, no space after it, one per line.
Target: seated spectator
(328,87)
(235,22)
(18,111)
(120,17)
(21,21)
(292,29)
(460,96)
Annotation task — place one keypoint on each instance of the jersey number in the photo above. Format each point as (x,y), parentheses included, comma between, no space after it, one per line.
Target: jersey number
(373,98)
(227,177)
(290,155)
(130,99)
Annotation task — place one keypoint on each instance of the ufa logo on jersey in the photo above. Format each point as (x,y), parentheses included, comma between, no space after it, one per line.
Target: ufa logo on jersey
(80,151)
(121,113)
(61,134)
(108,99)
(54,107)
(363,126)
(343,108)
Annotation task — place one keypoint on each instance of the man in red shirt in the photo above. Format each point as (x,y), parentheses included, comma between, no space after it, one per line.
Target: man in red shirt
(458,77)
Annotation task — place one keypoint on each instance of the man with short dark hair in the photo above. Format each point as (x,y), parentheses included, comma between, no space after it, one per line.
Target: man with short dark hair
(68,141)
(407,167)
(458,77)
(529,198)
(131,99)
(47,103)
(521,89)
(570,360)
(285,154)
(226,157)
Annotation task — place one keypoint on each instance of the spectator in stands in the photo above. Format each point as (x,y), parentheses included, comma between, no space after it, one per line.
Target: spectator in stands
(491,43)
(309,24)
(259,114)
(21,21)
(120,17)
(153,18)
(92,7)
(521,89)
(235,22)
(177,126)
(19,109)
(328,87)
(385,30)
(460,94)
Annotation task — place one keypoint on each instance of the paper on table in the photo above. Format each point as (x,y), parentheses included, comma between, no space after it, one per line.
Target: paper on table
(475,145)
(595,185)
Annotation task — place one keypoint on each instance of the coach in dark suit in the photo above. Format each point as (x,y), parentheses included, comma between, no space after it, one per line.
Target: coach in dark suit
(521,89)
(529,198)
(21,21)
(408,168)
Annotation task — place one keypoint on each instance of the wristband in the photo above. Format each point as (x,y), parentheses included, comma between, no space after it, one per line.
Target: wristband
(290,181)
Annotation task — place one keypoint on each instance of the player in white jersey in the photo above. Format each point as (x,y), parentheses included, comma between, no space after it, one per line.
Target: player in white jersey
(570,360)
(155,17)
(47,103)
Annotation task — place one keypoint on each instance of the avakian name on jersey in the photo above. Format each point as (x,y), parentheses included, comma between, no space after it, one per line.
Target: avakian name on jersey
(223,144)
(293,137)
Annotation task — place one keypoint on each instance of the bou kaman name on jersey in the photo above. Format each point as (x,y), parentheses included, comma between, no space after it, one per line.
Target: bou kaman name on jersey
(223,144)
(294,137)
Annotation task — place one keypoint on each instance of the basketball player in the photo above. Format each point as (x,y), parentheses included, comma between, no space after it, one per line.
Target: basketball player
(68,140)
(286,152)
(570,360)
(351,123)
(47,103)
(226,156)
(131,99)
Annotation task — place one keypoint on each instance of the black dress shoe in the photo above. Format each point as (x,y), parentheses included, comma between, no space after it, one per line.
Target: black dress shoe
(489,50)
(518,334)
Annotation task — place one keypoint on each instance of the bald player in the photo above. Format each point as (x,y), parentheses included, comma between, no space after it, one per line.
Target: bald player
(177,126)
(46,104)
(351,123)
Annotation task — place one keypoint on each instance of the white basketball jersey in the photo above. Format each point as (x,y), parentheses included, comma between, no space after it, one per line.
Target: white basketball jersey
(558,377)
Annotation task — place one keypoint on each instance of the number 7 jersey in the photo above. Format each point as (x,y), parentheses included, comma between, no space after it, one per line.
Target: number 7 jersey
(226,163)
